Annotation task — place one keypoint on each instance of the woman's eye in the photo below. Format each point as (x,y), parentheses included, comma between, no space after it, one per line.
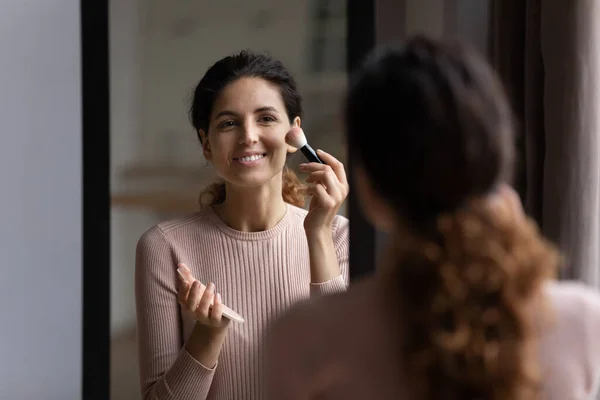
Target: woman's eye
(267,119)
(226,124)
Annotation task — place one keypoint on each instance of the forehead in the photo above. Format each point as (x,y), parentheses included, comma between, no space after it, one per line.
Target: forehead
(247,94)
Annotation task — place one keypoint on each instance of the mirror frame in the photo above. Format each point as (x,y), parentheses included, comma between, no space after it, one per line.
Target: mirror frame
(96,199)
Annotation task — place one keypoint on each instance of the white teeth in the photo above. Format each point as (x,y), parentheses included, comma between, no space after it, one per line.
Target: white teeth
(251,158)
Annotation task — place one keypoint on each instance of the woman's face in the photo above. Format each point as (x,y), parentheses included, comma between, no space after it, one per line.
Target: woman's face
(246,134)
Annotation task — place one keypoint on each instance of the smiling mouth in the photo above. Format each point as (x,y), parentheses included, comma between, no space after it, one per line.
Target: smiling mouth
(254,157)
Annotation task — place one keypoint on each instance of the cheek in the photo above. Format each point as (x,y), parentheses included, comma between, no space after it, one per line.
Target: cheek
(221,147)
(275,138)
(277,147)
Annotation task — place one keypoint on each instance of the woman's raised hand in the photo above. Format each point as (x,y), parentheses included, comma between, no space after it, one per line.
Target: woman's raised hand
(328,188)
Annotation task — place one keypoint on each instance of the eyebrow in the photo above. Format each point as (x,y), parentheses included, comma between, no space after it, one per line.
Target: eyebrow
(233,114)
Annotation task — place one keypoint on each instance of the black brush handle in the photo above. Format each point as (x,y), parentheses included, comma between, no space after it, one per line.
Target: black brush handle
(310,154)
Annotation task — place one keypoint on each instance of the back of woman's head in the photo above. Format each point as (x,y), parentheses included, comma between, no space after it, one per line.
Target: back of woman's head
(227,70)
(434,117)
(430,125)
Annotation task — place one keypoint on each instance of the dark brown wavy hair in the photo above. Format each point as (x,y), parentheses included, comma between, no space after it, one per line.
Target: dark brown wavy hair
(226,71)
(431,126)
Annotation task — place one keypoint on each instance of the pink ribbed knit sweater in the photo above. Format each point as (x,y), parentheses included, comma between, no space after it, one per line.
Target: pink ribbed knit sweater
(259,274)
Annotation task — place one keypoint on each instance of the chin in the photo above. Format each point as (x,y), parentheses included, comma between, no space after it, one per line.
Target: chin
(250,176)
(253,180)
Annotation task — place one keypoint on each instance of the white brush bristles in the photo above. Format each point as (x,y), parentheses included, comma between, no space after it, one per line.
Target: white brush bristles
(295,138)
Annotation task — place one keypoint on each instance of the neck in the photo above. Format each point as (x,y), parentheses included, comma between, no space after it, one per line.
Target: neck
(253,209)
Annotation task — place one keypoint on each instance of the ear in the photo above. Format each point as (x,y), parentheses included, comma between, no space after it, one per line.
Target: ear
(206,151)
(377,210)
(297,122)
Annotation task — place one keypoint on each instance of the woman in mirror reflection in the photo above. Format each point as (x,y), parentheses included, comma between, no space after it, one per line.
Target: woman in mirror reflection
(252,246)
(465,304)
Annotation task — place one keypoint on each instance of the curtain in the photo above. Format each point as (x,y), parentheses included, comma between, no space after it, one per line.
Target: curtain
(548,55)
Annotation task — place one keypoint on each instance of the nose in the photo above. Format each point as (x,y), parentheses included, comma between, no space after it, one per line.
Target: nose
(249,135)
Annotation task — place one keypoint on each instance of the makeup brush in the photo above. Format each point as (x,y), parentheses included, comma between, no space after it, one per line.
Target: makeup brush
(295,138)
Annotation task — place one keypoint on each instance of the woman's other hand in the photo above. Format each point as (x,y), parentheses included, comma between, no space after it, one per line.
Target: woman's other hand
(202,302)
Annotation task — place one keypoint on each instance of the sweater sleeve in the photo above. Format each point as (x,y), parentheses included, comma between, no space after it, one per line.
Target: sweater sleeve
(341,241)
(167,370)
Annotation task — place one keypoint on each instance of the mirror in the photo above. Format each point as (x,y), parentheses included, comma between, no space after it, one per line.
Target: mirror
(159,50)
